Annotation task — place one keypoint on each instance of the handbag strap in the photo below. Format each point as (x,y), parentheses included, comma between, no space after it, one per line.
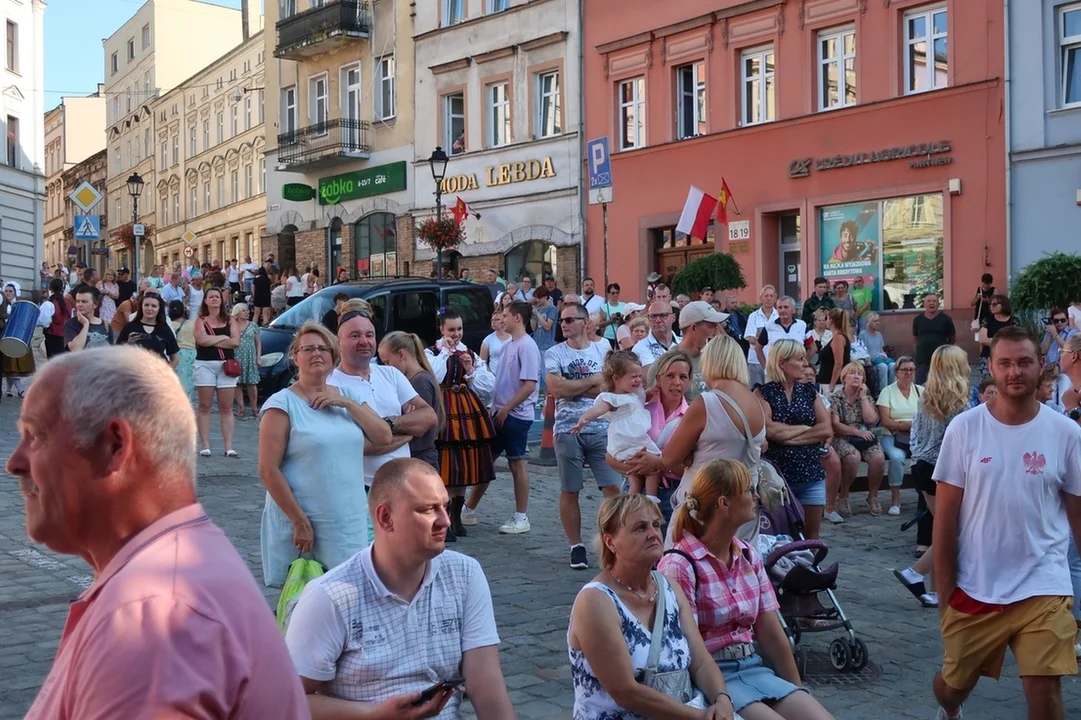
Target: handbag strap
(221,353)
(753,451)
(658,621)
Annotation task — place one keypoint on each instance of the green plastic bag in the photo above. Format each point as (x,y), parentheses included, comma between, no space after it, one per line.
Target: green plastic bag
(301,572)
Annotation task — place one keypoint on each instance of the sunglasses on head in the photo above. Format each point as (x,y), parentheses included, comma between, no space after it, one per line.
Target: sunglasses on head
(353,314)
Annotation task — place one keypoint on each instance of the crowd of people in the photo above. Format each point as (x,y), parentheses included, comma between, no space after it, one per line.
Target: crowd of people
(701,407)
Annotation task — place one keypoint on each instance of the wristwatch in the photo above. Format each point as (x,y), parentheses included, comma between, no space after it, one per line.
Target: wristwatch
(390,422)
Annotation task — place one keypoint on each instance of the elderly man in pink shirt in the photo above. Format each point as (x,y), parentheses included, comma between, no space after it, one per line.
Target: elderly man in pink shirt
(174,624)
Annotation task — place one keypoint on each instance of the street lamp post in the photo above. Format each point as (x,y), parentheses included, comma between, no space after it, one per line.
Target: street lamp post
(438,162)
(135,188)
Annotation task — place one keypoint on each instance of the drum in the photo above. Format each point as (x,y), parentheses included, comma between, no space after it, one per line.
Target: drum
(20,328)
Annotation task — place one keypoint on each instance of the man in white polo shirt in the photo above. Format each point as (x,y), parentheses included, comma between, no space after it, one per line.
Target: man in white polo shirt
(401,616)
(384,388)
(756,357)
(661,339)
(786,326)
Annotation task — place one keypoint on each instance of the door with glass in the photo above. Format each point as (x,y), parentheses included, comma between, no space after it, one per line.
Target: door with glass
(351,108)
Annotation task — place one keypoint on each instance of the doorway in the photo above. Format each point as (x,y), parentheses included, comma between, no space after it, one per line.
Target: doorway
(790,274)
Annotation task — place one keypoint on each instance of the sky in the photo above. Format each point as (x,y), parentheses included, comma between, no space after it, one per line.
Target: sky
(74,56)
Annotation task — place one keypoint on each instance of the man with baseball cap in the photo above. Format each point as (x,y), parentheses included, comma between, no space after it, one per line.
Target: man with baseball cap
(125,285)
(699,322)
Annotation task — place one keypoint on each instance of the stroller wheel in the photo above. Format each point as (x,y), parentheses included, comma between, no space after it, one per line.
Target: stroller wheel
(839,654)
(802,658)
(857,659)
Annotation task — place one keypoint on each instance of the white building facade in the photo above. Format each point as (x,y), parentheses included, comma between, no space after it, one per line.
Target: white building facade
(22,172)
(498,89)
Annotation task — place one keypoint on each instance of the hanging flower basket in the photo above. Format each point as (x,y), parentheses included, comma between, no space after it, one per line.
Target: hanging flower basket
(441,235)
(126,237)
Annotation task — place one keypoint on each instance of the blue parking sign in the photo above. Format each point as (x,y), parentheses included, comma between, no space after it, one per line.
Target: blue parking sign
(600,164)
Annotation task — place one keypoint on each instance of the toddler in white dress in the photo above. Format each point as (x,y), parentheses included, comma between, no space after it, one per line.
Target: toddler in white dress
(624,406)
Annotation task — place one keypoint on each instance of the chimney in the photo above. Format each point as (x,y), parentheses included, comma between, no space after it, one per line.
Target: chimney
(245,31)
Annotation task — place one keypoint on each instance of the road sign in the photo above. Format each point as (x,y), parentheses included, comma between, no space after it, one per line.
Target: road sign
(189,251)
(85,197)
(188,237)
(138,230)
(601,195)
(87,227)
(600,163)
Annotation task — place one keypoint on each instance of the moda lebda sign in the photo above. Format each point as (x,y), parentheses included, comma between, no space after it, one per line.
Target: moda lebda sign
(362,183)
(505,174)
(921,155)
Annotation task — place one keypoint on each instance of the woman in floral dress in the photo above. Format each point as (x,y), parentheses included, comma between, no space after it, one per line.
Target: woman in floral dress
(247,354)
(110,293)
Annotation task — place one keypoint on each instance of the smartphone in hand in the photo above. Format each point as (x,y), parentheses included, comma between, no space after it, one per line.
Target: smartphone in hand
(434,690)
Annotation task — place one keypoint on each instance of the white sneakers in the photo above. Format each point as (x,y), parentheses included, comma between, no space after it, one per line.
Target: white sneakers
(513,526)
(894,510)
(469,517)
(943,716)
(834,517)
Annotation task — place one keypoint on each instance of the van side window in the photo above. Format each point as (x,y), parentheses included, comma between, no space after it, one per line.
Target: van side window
(379,312)
(415,312)
(471,305)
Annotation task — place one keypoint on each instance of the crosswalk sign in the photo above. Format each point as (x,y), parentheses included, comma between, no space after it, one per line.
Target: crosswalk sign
(88,227)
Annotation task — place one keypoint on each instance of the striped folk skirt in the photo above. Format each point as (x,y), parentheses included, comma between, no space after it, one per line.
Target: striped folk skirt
(465,442)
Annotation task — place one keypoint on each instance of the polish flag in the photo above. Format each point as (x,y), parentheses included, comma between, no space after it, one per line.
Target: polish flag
(696,214)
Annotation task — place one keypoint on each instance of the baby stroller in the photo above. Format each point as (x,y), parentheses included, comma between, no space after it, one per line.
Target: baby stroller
(799,591)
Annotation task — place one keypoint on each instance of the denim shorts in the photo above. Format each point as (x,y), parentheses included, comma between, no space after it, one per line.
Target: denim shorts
(748,681)
(511,438)
(809,493)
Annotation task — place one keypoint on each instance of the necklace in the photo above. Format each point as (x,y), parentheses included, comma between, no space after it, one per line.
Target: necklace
(640,596)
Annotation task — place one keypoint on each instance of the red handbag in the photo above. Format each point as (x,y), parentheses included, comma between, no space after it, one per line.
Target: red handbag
(231,366)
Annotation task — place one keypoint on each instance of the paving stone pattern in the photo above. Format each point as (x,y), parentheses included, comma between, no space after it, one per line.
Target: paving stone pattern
(533,589)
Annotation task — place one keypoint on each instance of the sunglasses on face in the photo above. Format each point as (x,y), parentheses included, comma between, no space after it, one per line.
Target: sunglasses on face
(1060,320)
(568,320)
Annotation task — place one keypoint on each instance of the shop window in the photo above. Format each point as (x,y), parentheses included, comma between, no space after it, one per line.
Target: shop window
(926,60)
(691,92)
(1070,42)
(632,113)
(533,258)
(759,86)
(375,243)
(334,246)
(837,68)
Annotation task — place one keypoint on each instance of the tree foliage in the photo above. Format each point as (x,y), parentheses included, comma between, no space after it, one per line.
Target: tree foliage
(1052,281)
(719,271)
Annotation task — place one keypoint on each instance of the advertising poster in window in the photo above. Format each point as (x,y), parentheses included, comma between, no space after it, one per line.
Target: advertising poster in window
(391,264)
(911,250)
(849,237)
(377,265)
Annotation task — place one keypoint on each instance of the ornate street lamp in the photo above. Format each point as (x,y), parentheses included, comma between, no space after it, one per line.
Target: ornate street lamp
(438,162)
(135,189)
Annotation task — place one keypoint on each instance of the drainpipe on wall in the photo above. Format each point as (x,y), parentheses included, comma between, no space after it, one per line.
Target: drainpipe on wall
(1009,144)
(583,179)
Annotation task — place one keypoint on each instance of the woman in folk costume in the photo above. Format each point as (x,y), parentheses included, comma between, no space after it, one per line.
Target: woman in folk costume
(14,369)
(464,443)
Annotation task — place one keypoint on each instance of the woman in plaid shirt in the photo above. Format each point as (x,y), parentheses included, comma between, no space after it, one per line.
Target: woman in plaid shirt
(732,598)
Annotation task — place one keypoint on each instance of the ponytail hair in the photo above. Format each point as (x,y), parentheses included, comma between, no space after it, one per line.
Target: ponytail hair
(715,480)
(398,341)
(839,318)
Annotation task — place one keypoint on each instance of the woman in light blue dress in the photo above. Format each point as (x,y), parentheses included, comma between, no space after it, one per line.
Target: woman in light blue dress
(311,449)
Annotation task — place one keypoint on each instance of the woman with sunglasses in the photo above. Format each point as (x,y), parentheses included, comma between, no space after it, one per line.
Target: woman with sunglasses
(150,329)
(1001,316)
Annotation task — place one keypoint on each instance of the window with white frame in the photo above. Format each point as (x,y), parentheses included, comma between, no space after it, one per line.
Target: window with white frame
(221,191)
(549,121)
(261,108)
(691,91)
(632,113)
(176,206)
(206,196)
(262,174)
(234,117)
(220,119)
(131,49)
(318,105)
(759,88)
(206,134)
(1070,42)
(247,112)
(137,156)
(247,181)
(454,123)
(193,202)
(116,108)
(116,159)
(12,46)
(495,6)
(289,109)
(114,64)
(146,36)
(836,68)
(164,154)
(176,148)
(386,100)
(164,210)
(192,147)
(234,186)
(926,60)
(498,108)
(453,11)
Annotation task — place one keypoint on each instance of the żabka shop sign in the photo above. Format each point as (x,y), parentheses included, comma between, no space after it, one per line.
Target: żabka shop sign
(362,183)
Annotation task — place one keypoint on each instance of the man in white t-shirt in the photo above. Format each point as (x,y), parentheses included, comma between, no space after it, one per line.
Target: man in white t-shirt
(786,326)
(756,355)
(1008,495)
(401,616)
(248,270)
(661,339)
(384,388)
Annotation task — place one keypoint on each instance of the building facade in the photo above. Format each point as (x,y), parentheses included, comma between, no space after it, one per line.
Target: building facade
(1045,130)
(844,129)
(74,131)
(339,135)
(149,55)
(210,173)
(93,170)
(22,171)
(498,89)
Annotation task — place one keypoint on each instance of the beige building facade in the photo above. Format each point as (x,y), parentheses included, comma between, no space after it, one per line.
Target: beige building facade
(339,135)
(74,131)
(162,45)
(211,175)
(93,170)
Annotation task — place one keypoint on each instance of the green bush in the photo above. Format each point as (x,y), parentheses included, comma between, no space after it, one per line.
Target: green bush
(1052,281)
(719,271)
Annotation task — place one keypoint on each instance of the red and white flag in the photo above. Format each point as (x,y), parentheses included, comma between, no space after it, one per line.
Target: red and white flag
(461,211)
(696,215)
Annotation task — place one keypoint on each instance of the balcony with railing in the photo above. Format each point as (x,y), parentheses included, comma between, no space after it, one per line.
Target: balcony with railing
(324,144)
(323,28)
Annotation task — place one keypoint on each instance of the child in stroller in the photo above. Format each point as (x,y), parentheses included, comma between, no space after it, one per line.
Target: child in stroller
(795,569)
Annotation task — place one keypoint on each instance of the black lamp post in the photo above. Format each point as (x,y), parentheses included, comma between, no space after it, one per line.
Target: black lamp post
(135,189)
(438,161)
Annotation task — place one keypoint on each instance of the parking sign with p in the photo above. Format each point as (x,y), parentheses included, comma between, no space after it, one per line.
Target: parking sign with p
(600,171)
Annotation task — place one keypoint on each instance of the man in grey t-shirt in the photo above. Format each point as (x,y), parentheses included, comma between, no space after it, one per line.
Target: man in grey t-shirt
(574,372)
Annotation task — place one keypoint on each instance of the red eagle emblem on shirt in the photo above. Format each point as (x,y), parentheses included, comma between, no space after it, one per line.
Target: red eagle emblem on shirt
(1034,463)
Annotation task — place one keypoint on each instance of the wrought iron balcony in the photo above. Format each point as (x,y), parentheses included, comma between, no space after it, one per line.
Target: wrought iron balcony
(323,29)
(324,144)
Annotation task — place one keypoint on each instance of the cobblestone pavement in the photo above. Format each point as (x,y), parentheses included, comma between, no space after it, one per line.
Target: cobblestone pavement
(533,589)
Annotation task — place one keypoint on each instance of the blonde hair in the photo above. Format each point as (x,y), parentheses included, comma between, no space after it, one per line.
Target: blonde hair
(946,392)
(781,352)
(722,359)
(660,366)
(613,515)
(851,368)
(637,323)
(358,305)
(716,479)
(839,319)
(409,343)
(616,364)
(318,328)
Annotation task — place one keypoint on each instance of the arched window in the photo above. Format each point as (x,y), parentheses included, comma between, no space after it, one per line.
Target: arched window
(334,247)
(375,246)
(533,258)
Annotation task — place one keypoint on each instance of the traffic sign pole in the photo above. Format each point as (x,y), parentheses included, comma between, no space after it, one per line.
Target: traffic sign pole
(600,186)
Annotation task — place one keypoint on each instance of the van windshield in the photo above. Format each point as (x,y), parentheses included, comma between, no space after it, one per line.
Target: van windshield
(310,308)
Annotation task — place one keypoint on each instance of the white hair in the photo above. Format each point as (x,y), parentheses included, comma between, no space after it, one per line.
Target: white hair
(765,288)
(129,384)
(683,298)
(786,298)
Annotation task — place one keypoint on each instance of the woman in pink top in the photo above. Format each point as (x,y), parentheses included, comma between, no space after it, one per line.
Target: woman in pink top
(731,597)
